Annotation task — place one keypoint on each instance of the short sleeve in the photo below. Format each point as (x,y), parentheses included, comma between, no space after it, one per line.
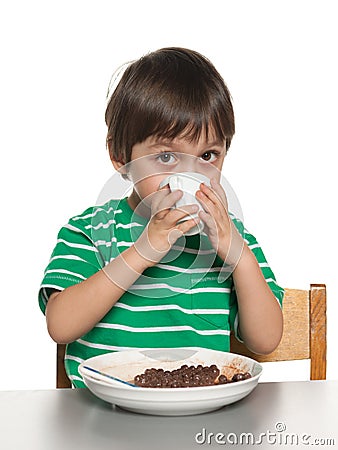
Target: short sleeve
(74,259)
(269,276)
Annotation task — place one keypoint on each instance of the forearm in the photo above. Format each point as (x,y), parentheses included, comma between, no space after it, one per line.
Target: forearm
(76,310)
(260,315)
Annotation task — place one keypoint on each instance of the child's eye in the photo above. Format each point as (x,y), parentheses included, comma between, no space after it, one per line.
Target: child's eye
(209,156)
(166,158)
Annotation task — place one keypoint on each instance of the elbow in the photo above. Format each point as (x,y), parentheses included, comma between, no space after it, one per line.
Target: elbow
(265,348)
(266,344)
(54,329)
(57,331)
(58,336)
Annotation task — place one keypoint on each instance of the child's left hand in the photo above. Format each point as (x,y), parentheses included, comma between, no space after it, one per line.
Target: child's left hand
(220,229)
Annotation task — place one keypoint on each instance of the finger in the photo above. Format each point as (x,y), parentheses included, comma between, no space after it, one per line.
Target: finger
(185,226)
(208,205)
(216,222)
(218,188)
(215,196)
(163,200)
(154,198)
(183,211)
(208,220)
(169,200)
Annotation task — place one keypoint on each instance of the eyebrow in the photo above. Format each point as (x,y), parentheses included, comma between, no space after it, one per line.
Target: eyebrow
(171,144)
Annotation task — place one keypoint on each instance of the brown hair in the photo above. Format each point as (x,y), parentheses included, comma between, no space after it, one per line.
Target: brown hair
(168,93)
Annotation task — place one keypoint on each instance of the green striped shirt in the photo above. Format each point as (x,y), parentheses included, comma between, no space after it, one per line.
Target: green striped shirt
(179,302)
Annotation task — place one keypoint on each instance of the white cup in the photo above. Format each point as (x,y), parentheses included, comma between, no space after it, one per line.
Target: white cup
(189,183)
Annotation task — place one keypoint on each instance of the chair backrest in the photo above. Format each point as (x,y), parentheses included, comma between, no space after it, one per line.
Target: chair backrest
(304,335)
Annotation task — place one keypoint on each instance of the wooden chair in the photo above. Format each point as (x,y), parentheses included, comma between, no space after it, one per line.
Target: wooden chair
(62,380)
(304,335)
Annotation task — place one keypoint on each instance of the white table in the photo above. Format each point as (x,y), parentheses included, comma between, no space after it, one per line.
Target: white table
(274,413)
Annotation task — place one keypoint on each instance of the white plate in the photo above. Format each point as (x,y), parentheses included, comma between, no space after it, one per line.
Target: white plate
(169,401)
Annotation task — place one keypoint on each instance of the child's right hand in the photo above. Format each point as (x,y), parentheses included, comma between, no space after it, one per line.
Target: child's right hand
(163,230)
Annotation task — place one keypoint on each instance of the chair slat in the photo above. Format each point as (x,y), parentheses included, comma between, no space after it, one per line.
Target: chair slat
(318,331)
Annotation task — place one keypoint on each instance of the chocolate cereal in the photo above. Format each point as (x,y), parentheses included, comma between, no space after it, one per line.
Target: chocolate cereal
(186,376)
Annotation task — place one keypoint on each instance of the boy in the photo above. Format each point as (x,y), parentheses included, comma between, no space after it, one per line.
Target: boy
(124,275)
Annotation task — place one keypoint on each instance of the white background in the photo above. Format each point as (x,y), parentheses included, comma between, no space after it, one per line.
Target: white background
(279,61)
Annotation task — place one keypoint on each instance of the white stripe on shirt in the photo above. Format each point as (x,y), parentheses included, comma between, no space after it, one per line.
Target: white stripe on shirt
(105,243)
(67,272)
(74,358)
(177,289)
(71,244)
(114,326)
(72,257)
(169,307)
(100,225)
(97,210)
(252,246)
(183,270)
(72,228)
(126,226)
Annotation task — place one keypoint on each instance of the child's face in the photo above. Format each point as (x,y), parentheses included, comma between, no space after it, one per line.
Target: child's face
(156,158)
